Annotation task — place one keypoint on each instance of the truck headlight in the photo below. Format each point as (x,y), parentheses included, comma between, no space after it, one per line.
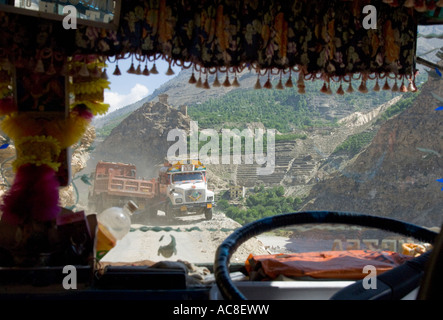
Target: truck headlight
(210,198)
(178,200)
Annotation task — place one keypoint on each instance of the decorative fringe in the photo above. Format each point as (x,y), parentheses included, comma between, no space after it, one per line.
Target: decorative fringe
(327,88)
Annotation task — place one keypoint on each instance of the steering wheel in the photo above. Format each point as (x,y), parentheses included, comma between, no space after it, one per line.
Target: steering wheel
(392,284)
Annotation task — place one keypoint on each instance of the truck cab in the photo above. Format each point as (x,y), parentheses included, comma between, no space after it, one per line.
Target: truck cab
(186,189)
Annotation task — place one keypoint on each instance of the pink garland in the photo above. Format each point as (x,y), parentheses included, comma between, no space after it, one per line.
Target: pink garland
(33,195)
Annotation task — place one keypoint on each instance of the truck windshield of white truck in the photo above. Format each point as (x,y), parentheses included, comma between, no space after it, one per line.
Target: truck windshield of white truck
(191,176)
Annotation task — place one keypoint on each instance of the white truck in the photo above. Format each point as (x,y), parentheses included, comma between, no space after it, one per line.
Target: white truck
(186,187)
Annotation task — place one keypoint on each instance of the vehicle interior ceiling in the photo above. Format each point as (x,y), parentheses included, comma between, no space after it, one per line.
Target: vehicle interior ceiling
(305,39)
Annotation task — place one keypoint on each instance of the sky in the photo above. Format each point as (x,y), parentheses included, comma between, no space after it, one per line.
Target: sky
(129,88)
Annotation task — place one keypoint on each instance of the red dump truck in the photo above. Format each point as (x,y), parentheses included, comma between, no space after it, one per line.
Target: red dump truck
(180,189)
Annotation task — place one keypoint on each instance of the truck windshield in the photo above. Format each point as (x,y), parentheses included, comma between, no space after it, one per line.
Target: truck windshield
(180,177)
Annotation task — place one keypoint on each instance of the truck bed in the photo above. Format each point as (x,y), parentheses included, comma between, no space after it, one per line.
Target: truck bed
(121,186)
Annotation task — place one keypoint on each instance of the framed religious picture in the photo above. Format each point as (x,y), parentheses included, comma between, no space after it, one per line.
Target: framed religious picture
(41,91)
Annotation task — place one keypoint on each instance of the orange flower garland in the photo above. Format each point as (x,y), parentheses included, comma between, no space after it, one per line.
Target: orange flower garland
(39,142)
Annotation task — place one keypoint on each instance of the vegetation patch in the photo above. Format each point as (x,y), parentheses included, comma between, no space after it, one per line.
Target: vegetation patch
(354,143)
(260,204)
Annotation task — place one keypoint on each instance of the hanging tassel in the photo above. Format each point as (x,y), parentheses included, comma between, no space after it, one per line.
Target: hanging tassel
(199,83)
(216,83)
(279,85)
(131,70)
(235,83)
(289,83)
(192,79)
(377,86)
(117,71)
(350,88)
(412,87)
(362,88)
(257,85)
(324,89)
(403,87)
(138,71)
(104,75)
(39,68)
(301,82)
(268,84)
(206,83)
(340,90)
(395,87)
(145,70)
(226,83)
(154,69)
(84,71)
(169,72)
(386,85)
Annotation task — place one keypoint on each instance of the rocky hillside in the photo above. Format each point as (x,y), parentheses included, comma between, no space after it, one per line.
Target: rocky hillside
(396,175)
(141,138)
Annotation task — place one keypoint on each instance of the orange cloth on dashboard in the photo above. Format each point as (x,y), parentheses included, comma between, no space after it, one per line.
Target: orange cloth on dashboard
(324,264)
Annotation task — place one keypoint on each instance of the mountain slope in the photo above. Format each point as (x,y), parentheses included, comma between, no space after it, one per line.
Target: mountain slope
(396,175)
(141,138)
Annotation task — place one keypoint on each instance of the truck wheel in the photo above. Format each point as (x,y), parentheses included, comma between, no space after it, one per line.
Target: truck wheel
(208,214)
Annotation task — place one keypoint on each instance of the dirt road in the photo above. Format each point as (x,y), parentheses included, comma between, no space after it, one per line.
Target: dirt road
(196,241)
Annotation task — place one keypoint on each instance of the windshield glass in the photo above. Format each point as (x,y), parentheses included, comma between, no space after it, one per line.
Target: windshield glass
(266,152)
(180,177)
